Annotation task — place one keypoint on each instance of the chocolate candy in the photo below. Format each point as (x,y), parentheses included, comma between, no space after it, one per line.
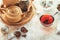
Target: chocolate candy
(24,30)
(58,7)
(17,34)
(23,35)
(58,33)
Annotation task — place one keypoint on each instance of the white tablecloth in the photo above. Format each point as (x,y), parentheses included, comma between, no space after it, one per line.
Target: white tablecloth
(34,27)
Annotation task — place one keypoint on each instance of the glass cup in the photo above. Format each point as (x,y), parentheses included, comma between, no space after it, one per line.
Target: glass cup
(47,20)
(46,4)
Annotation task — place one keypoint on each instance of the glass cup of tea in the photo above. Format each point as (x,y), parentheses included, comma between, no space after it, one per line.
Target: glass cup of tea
(46,20)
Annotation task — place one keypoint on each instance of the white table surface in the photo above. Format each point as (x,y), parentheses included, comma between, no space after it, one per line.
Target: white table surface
(34,27)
